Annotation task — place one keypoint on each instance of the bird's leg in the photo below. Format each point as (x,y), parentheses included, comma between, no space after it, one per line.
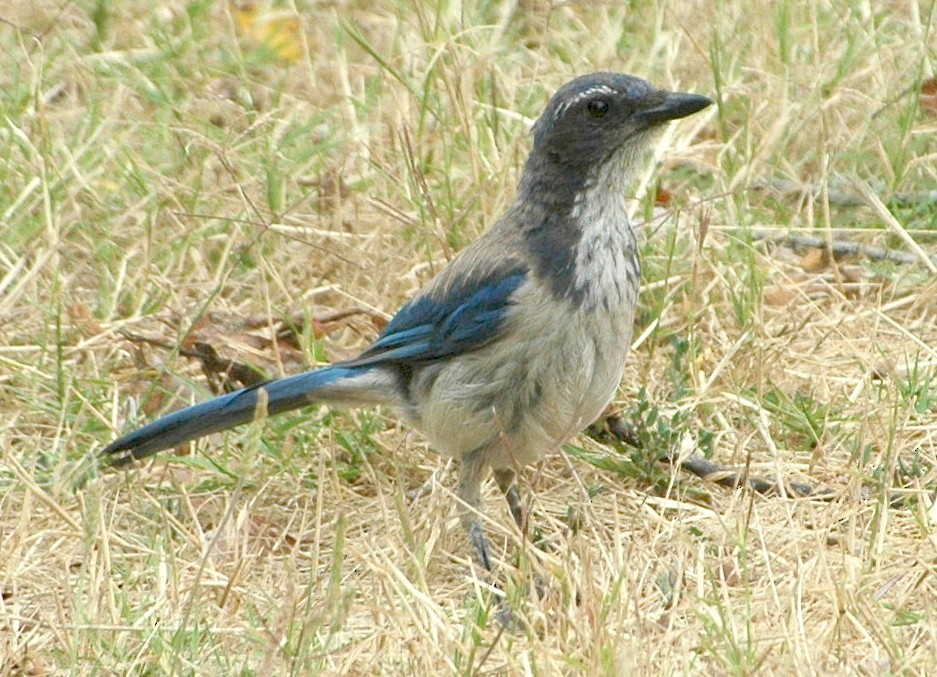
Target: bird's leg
(470,492)
(470,480)
(505,479)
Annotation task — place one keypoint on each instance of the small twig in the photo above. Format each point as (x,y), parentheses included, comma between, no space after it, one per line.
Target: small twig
(140,338)
(712,472)
(879,208)
(297,319)
(233,374)
(839,248)
(839,196)
(731,478)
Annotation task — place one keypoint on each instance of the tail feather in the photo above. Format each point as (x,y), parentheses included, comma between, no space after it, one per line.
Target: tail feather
(338,385)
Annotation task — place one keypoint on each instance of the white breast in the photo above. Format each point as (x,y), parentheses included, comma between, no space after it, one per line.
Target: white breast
(608,269)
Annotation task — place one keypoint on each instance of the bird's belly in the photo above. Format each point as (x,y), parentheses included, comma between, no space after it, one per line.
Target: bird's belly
(586,376)
(523,398)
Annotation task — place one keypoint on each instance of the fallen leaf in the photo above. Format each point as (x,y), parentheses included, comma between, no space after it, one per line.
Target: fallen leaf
(236,352)
(779,297)
(929,96)
(816,260)
(84,319)
(278,33)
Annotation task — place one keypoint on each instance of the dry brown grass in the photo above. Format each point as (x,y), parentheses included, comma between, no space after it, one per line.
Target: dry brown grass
(160,171)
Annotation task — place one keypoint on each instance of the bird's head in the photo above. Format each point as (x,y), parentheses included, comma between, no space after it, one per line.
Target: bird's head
(602,121)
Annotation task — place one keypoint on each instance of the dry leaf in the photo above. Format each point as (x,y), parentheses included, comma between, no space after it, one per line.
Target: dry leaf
(929,96)
(277,33)
(778,297)
(84,319)
(236,352)
(816,260)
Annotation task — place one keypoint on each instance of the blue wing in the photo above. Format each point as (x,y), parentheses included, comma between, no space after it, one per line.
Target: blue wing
(448,319)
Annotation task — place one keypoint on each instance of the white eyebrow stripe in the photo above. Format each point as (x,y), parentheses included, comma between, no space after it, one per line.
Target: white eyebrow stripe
(597,89)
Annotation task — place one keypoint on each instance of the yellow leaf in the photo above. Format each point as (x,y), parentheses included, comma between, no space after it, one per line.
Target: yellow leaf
(278,33)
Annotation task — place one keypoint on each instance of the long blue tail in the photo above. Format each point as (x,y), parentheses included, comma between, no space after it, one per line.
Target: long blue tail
(338,385)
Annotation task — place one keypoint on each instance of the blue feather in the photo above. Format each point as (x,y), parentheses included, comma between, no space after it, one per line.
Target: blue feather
(465,318)
(224,412)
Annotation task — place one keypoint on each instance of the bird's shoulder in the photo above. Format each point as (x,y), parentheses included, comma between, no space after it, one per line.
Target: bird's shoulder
(488,264)
(463,308)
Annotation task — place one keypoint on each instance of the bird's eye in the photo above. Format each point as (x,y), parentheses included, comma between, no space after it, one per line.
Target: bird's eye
(598,108)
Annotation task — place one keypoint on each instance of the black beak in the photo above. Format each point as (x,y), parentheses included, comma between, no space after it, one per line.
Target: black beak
(672,106)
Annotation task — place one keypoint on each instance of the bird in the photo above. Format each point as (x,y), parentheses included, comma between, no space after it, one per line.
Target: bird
(520,342)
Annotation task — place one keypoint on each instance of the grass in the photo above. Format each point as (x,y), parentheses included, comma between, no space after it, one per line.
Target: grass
(168,170)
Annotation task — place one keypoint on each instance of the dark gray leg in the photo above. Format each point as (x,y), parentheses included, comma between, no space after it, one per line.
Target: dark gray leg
(505,479)
(471,468)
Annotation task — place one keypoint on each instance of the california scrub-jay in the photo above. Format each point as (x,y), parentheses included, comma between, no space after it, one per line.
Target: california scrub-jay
(520,342)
